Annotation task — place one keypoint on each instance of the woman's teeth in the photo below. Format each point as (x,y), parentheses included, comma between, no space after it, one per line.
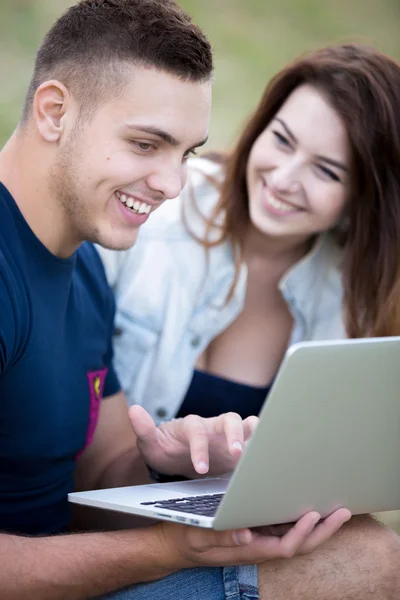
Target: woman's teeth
(135,205)
(279,205)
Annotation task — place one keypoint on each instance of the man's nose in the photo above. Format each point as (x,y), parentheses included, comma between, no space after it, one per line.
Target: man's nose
(167,181)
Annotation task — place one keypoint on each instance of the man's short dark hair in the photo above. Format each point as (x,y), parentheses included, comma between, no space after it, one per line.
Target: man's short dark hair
(89,46)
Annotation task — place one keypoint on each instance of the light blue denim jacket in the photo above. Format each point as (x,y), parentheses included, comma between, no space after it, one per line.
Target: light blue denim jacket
(171,298)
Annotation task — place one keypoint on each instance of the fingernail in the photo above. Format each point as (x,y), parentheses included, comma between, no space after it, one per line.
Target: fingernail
(241,537)
(237,446)
(202,466)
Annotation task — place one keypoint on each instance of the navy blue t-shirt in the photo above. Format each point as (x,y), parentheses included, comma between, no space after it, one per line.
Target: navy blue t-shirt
(56,318)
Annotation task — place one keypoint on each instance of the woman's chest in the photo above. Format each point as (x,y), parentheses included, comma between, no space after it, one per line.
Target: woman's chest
(250,350)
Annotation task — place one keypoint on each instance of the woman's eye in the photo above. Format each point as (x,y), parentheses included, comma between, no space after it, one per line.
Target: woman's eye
(328,173)
(281,139)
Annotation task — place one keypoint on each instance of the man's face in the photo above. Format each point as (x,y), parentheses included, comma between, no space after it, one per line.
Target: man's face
(118,167)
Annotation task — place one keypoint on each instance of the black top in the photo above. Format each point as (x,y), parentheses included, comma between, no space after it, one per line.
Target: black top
(209,396)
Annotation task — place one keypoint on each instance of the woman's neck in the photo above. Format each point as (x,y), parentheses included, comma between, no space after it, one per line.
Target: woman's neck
(279,253)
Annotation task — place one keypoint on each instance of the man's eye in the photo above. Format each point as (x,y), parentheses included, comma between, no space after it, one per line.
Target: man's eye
(188,154)
(144,146)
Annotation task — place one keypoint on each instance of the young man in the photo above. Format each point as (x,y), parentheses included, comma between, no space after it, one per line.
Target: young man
(119,99)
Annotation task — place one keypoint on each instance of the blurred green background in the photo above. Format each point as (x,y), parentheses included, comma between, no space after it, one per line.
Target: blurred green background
(252,40)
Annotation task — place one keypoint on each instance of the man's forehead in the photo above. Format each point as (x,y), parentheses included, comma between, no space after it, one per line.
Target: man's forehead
(151,84)
(180,110)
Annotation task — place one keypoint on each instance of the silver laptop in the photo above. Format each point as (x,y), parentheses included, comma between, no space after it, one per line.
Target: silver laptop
(328,437)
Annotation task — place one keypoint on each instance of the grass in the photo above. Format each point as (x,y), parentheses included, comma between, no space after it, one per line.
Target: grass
(252,40)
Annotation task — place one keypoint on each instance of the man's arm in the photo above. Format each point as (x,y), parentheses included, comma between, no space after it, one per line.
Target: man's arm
(80,566)
(111,460)
(77,566)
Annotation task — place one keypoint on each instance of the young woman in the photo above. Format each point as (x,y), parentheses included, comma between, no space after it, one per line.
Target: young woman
(293,236)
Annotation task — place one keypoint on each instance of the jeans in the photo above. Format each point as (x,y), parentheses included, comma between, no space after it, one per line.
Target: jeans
(206,583)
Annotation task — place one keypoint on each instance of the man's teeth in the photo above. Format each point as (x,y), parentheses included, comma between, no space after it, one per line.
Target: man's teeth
(278,204)
(135,205)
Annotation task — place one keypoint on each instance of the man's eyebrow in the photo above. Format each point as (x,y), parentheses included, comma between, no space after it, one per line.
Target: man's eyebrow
(329,161)
(163,135)
(152,130)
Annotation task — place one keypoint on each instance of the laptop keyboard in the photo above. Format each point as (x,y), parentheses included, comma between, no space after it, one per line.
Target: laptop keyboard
(198,505)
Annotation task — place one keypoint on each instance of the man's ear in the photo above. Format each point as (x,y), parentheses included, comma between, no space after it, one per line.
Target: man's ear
(49,107)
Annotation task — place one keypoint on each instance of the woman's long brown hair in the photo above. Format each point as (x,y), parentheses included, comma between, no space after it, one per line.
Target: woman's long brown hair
(363,86)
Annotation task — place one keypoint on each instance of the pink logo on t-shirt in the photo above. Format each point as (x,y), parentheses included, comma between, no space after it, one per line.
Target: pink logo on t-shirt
(96,381)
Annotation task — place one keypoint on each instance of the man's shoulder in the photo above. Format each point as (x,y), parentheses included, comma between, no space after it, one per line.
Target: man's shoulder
(12,283)
(15,310)
(12,249)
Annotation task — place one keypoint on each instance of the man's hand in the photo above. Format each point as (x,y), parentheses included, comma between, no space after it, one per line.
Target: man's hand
(194,547)
(195,445)
(192,445)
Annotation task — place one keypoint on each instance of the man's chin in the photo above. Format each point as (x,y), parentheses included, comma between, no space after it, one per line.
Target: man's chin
(118,242)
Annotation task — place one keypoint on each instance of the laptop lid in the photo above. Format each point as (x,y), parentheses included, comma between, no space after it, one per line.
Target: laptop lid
(328,437)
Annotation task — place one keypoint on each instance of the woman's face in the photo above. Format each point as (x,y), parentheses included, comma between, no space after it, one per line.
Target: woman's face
(298,172)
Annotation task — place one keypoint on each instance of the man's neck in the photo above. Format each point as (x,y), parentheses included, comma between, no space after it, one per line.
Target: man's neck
(25,173)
